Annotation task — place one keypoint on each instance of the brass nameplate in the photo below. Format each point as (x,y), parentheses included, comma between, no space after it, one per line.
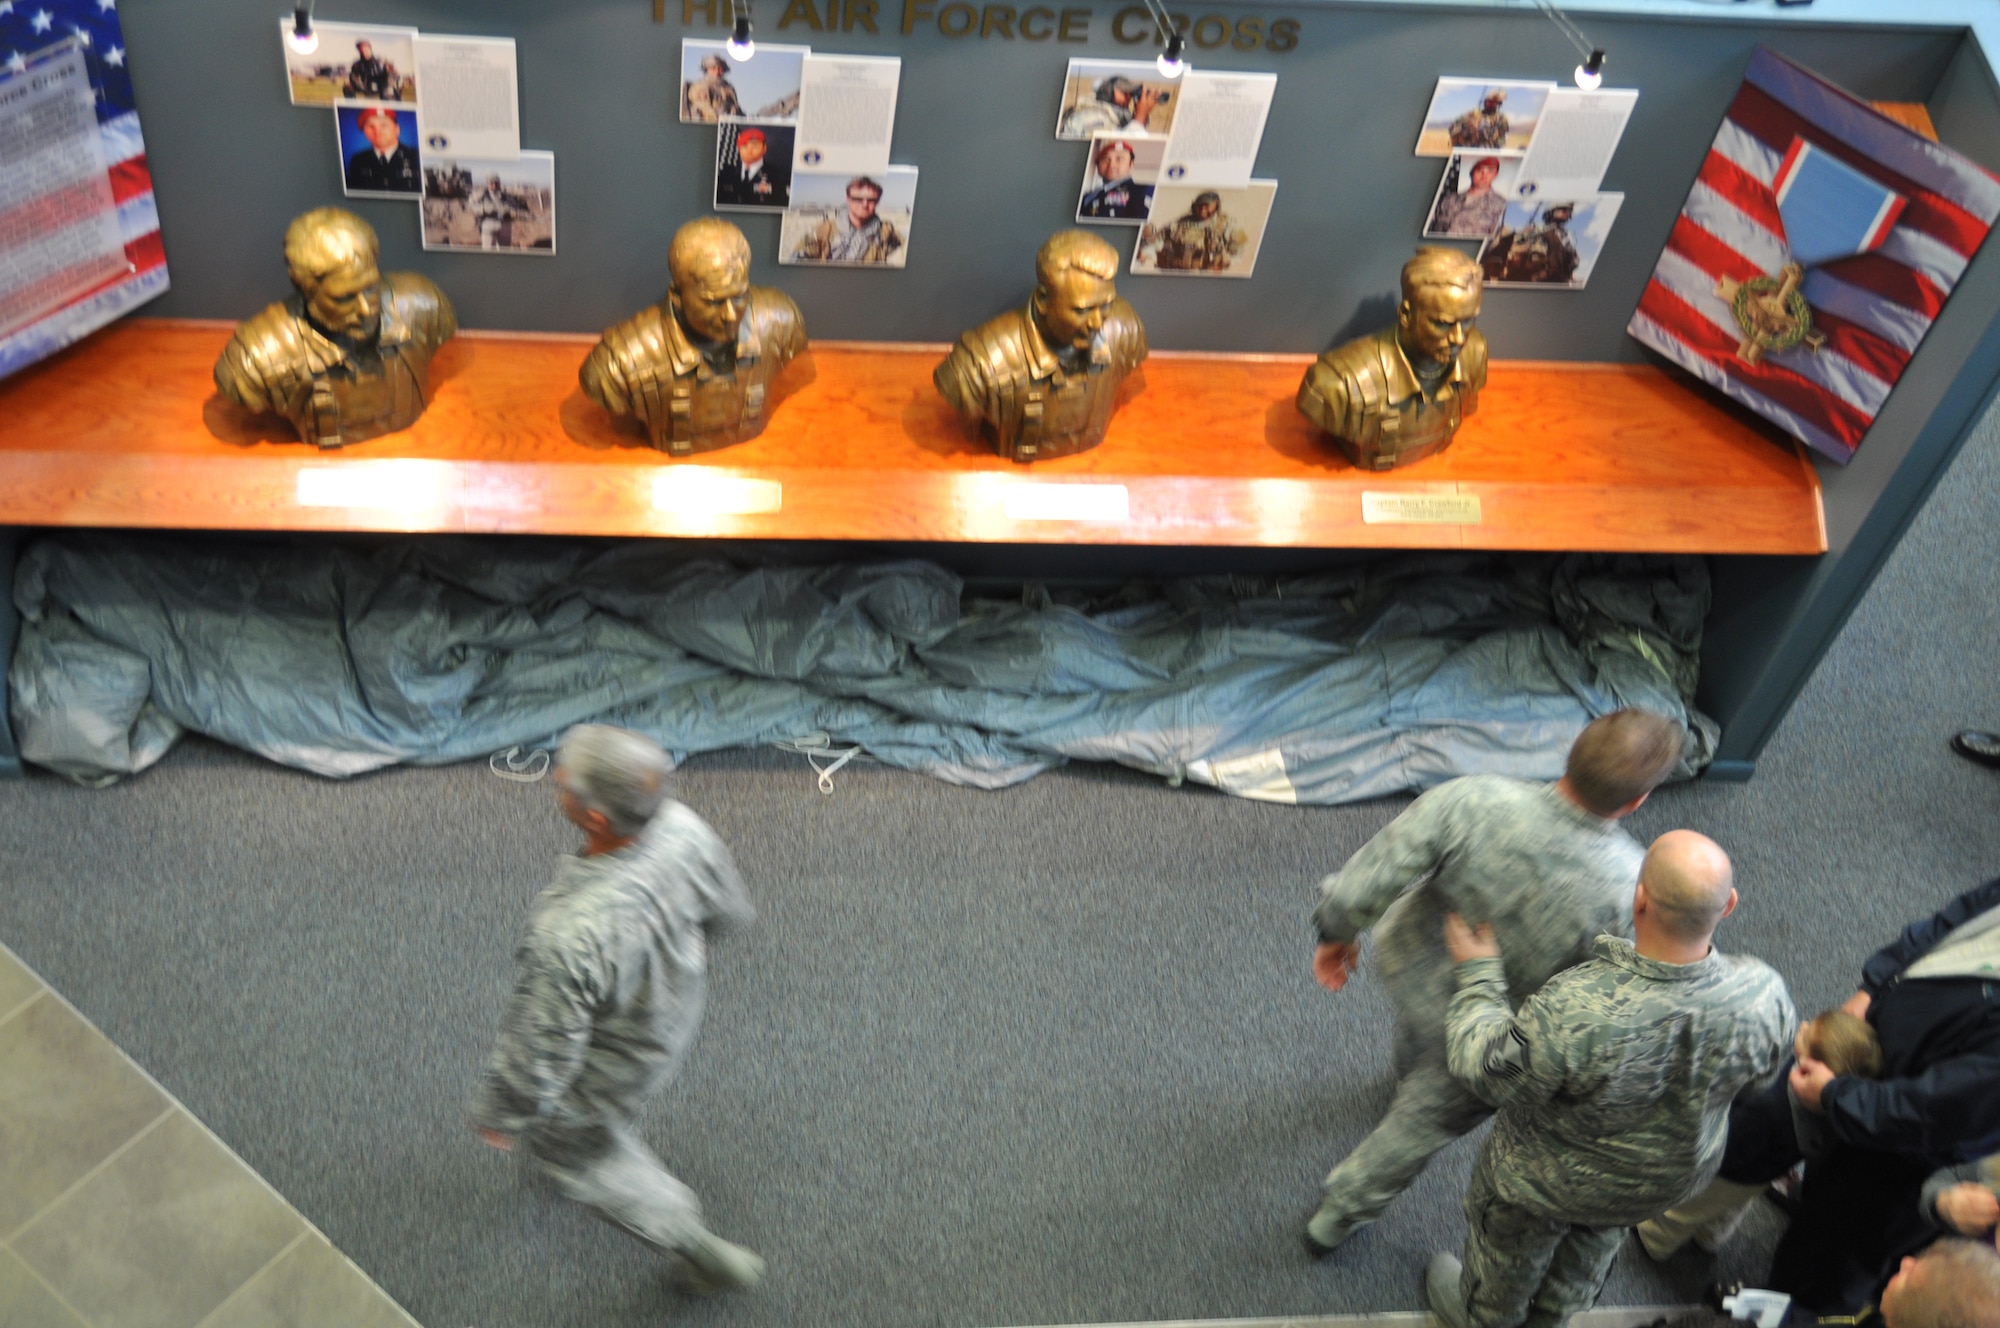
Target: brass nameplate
(1419,509)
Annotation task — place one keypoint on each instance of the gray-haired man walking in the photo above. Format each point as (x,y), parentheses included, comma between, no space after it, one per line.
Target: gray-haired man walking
(611,974)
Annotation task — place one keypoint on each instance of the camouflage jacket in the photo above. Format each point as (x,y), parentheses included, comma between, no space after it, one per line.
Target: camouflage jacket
(708,102)
(609,977)
(1193,244)
(1548,875)
(1614,1081)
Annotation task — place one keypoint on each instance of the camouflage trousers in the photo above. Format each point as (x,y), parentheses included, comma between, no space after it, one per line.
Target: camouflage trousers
(608,1169)
(1430,1109)
(1524,1267)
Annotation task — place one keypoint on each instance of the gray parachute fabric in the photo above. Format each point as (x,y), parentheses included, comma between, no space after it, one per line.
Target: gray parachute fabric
(340,657)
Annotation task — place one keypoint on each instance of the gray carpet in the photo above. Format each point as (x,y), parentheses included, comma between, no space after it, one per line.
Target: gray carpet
(1045,1056)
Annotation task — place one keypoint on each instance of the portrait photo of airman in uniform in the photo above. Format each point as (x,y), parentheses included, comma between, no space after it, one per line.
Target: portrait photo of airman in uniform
(1212,232)
(1550,245)
(1119,180)
(1472,197)
(753,166)
(1122,96)
(1494,117)
(489,206)
(378,147)
(850,221)
(353,62)
(716,86)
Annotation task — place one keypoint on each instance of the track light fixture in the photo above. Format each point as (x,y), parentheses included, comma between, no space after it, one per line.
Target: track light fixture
(1590,74)
(302,38)
(740,46)
(1173,61)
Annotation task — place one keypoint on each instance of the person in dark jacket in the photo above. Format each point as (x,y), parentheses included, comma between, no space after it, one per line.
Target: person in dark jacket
(1933,998)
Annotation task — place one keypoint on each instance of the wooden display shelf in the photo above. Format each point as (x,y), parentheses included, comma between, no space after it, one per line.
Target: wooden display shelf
(126,430)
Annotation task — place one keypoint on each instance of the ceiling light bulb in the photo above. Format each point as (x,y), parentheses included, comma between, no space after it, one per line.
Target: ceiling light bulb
(740,46)
(1172,62)
(302,38)
(1590,74)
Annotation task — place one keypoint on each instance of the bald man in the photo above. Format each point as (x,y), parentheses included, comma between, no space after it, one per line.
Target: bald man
(1612,1086)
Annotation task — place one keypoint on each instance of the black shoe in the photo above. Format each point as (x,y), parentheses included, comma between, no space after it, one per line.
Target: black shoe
(1978,745)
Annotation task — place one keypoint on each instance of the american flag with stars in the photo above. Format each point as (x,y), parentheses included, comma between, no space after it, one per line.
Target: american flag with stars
(1875,222)
(28,28)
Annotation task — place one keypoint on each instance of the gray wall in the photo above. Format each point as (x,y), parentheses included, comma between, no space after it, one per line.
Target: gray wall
(233,161)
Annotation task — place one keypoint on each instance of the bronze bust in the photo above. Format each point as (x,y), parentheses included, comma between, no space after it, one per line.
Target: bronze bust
(697,369)
(1043,380)
(1398,395)
(348,356)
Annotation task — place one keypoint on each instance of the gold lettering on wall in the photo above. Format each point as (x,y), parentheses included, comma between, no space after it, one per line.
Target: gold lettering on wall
(1129,26)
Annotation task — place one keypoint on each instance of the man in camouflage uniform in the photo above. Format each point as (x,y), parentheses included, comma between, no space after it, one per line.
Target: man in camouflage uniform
(1120,103)
(858,236)
(1205,240)
(610,978)
(367,76)
(1485,127)
(1542,252)
(1612,1084)
(1547,864)
(697,369)
(1479,210)
(1043,381)
(714,96)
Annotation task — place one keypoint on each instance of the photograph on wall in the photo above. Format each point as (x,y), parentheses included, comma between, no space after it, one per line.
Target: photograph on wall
(716,86)
(1818,245)
(1549,244)
(1489,115)
(1125,96)
(378,152)
(353,62)
(753,166)
(850,220)
(1118,179)
(1197,232)
(1471,201)
(503,205)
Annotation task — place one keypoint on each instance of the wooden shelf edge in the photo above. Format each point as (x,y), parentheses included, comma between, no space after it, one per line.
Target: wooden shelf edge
(1205,450)
(619,499)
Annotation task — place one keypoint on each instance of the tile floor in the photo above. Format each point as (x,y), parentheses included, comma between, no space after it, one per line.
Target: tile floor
(118,1209)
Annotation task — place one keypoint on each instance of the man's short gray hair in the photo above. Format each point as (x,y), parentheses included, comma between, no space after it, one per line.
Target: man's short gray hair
(616,773)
